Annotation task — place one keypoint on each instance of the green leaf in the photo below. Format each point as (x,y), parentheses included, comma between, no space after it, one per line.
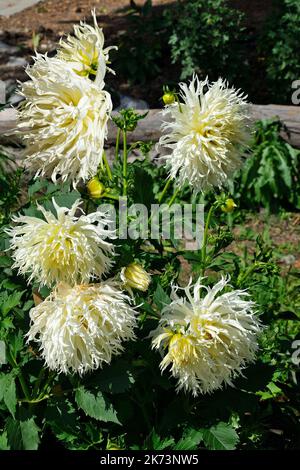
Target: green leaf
(10,302)
(284,169)
(220,437)
(190,440)
(8,392)
(14,435)
(272,392)
(61,417)
(143,187)
(96,406)
(36,186)
(67,199)
(3,441)
(30,434)
(5,262)
(155,442)
(160,298)
(16,342)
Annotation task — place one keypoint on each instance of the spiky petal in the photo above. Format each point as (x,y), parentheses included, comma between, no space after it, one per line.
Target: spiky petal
(206,340)
(205,134)
(66,247)
(63,121)
(82,328)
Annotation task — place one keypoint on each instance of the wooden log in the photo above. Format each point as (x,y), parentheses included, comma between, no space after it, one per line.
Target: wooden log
(149,128)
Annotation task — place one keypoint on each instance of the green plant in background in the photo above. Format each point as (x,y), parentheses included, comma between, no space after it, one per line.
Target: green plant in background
(270,176)
(205,37)
(9,186)
(141,49)
(210,37)
(279,44)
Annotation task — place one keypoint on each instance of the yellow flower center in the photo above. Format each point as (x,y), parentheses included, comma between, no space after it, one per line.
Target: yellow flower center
(181,349)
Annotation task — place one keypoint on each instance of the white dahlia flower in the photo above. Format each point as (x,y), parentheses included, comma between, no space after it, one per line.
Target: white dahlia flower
(206,341)
(65,247)
(63,121)
(205,133)
(85,50)
(80,328)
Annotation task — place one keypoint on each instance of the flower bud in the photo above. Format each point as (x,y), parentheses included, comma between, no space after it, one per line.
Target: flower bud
(229,206)
(95,188)
(168,98)
(134,276)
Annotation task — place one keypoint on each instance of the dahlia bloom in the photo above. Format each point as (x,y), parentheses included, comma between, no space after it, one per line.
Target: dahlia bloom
(64,247)
(207,340)
(80,328)
(85,50)
(63,121)
(206,133)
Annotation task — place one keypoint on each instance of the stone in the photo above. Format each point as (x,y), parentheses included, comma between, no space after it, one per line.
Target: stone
(16,62)
(130,102)
(288,260)
(10,7)
(7,49)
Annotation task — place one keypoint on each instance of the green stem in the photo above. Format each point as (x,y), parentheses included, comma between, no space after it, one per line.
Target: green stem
(248,271)
(22,381)
(124,163)
(35,400)
(160,200)
(110,196)
(178,101)
(173,197)
(205,236)
(118,144)
(51,376)
(107,167)
(38,382)
(166,187)
(24,385)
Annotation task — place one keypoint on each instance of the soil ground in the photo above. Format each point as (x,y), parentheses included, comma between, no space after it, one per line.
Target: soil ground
(281,232)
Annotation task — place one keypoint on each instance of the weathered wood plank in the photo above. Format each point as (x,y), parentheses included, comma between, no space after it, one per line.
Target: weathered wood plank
(149,128)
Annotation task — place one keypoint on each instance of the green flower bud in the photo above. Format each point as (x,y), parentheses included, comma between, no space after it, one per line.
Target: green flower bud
(229,206)
(134,276)
(95,188)
(168,98)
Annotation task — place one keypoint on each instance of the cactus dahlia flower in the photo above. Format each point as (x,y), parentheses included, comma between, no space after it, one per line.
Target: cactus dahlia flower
(63,121)
(85,50)
(80,328)
(207,340)
(64,247)
(205,133)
